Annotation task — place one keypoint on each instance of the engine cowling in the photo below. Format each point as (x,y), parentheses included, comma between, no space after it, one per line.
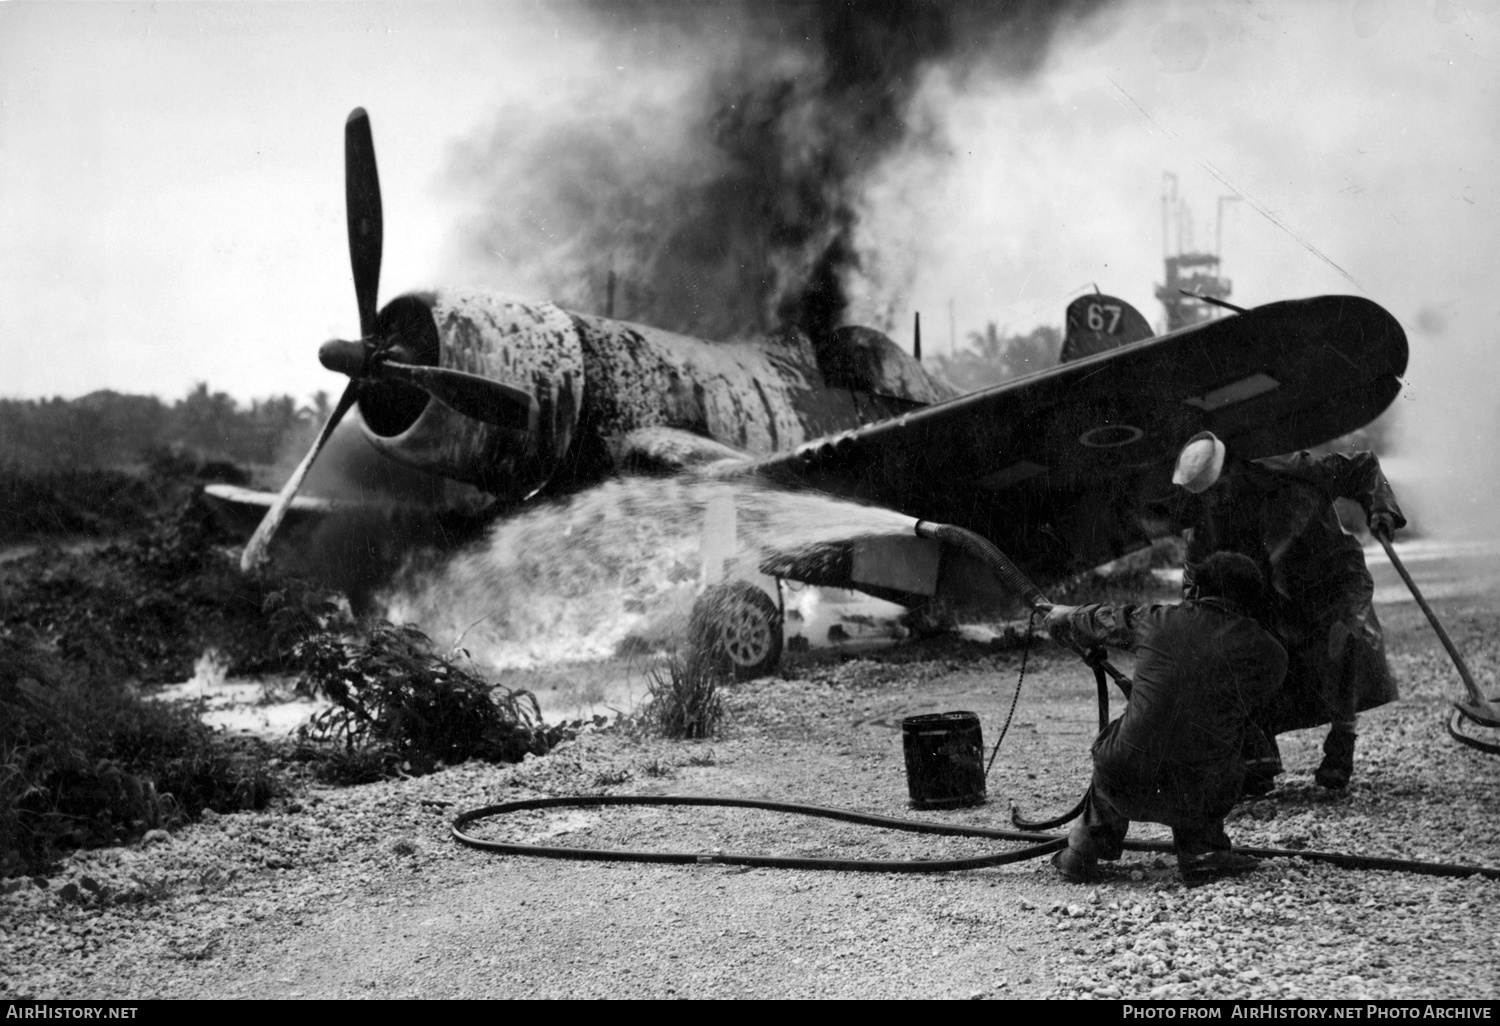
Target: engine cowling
(530,346)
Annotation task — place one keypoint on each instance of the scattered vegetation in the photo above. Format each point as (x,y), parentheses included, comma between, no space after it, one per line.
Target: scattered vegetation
(146,607)
(684,701)
(85,757)
(85,760)
(67,502)
(399,707)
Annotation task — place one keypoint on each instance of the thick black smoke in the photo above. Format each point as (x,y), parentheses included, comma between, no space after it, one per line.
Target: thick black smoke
(719,175)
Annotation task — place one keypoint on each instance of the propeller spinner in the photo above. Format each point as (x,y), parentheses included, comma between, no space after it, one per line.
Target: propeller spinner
(374,358)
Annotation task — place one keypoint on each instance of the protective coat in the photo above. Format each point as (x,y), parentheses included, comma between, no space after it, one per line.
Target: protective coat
(1203,668)
(1279,512)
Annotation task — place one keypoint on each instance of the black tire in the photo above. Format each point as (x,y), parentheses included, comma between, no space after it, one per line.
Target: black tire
(739,628)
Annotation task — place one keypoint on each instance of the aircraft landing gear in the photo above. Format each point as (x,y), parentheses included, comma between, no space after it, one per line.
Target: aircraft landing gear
(739,627)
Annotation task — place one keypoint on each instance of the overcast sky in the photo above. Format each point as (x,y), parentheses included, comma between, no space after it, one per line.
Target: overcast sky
(171,195)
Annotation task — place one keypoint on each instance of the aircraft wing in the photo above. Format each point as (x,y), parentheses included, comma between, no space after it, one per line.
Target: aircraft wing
(240,509)
(1057,467)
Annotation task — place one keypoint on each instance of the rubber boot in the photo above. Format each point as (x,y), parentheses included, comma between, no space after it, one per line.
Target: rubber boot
(1338,759)
(1214,864)
(1075,867)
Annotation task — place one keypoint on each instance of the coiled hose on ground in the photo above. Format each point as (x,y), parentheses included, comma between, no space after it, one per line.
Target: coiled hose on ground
(1037,844)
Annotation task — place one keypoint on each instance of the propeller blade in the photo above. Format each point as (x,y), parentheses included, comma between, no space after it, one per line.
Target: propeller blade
(473,396)
(255,552)
(362,204)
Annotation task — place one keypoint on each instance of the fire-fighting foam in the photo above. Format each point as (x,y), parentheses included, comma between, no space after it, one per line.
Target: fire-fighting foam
(571,580)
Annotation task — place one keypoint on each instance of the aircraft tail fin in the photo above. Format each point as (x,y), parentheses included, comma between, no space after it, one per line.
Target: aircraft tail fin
(1099,323)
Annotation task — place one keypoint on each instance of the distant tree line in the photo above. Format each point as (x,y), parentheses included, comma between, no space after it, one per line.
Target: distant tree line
(111,430)
(990,357)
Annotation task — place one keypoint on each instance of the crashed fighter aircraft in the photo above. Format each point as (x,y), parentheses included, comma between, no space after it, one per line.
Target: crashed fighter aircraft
(526,400)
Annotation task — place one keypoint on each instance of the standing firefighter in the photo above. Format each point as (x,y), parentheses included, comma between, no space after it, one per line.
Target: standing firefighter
(1279,512)
(1202,669)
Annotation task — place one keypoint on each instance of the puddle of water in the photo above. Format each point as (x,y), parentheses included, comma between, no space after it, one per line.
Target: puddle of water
(267,708)
(245,706)
(623,692)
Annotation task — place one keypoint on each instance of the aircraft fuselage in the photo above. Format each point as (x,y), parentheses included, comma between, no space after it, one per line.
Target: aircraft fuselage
(598,383)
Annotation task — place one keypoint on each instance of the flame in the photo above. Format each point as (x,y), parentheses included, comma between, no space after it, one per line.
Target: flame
(572,580)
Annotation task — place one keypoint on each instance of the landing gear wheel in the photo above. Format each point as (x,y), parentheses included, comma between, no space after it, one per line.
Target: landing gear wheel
(739,627)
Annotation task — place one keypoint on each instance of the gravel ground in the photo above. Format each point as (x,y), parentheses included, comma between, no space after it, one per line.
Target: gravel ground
(360,892)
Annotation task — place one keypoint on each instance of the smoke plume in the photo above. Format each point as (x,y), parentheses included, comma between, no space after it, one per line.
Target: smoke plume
(719,169)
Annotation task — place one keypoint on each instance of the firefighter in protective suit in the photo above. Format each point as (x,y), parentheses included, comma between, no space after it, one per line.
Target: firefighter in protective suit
(1203,667)
(1279,511)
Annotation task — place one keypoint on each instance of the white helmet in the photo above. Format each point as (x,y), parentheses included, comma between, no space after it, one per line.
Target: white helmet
(1200,463)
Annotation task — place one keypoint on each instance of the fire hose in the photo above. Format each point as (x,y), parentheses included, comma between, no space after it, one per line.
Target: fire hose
(1477,708)
(1037,844)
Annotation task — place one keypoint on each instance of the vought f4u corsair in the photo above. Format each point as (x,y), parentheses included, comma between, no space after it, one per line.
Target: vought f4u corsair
(524,401)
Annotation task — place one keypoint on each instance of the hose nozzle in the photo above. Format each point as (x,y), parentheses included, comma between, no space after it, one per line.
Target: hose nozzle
(984,550)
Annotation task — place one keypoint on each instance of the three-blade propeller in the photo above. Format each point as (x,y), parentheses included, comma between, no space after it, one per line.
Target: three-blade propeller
(373,358)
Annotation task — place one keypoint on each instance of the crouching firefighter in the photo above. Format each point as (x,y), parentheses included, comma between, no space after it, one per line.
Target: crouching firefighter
(1203,667)
(1319,603)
